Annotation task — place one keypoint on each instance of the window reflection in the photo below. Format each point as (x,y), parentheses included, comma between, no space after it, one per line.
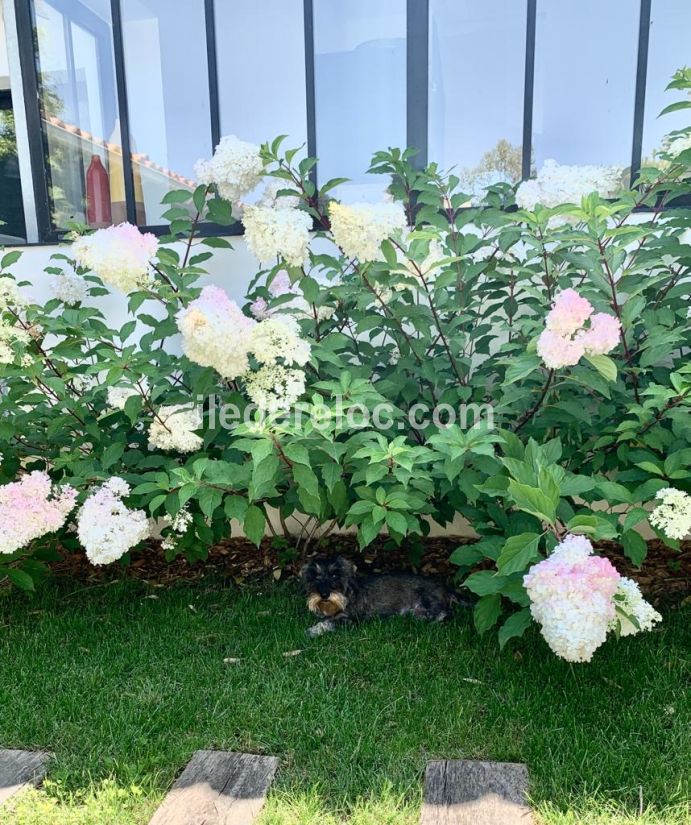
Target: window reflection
(261,70)
(477,127)
(585,77)
(668,50)
(12,229)
(167,97)
(79,111)
(360,87)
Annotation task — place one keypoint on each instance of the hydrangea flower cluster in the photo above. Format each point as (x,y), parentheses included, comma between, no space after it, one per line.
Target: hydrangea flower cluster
(173,428)
(179,525)
(119,255)
(277,233)
(119,396)
(677,144)
(11,332)
(673,515)
(106,528)
(557,184)
(274,388)
(630,602)
(69,287)
(564,341)
(278,338)
(216,333)
(574,596)
(30,508)
(235,168)
(271,198)
(359,228)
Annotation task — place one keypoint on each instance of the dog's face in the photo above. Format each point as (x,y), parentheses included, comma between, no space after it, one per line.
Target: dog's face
(327,582)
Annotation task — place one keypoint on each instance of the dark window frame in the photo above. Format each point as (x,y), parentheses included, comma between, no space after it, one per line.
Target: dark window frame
(417,98)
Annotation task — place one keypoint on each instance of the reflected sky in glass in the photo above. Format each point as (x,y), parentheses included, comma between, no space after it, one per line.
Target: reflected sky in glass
(360,88)
(476,78)
(585,77)
(669,50)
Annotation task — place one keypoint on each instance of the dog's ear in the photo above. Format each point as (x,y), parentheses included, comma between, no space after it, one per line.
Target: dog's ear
(347,568)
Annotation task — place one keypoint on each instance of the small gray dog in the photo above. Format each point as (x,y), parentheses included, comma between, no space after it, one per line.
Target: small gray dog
(338,593)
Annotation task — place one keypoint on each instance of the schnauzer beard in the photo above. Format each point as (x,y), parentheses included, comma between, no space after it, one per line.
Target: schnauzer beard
(336,603)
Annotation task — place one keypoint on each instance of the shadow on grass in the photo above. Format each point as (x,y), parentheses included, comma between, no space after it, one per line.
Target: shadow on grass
(125,682)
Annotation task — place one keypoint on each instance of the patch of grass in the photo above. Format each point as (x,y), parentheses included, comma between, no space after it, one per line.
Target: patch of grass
(123,682)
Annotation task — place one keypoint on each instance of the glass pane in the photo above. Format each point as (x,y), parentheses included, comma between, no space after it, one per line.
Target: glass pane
(12,229)
(669,50)
(260,53)
(360,85)
(79,111)
(585,77)
(167,97)
(477,127)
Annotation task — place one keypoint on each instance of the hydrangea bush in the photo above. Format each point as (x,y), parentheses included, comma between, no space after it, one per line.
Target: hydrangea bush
(521,364)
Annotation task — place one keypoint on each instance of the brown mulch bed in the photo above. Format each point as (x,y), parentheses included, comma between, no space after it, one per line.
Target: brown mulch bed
(665,576)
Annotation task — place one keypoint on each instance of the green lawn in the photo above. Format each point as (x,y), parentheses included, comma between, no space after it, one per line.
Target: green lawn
(124,681)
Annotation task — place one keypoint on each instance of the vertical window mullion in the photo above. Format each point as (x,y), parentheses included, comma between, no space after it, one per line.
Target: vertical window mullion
(641,80)
(39,166)
(121,84)
(310,93)
(529,89)
(210,18)
(417,79)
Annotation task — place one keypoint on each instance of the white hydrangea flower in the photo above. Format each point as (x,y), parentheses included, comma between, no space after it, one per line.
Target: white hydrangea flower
(216,333)
(274,388)
(9,294)
(173,429)
(676,145)
(118,396)
(673,515)
(69,287)
(236,168)
(106,528)
(360,228)
(119,255)
(630,600)
(277,233)
(272,200)
(557,184)
(276,338)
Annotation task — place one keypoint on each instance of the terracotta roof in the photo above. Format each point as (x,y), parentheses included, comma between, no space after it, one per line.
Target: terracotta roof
(140,158)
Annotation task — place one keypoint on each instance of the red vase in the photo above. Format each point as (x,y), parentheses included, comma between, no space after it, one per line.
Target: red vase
(97,194)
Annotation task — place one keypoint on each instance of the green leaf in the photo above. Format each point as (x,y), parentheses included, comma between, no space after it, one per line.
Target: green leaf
(534,501)
(254,524)
(486,612)
(176,196)
(484,582)
(515,626)
(397,522)
(235,507)
(635,546)
(604,365)
(10,258)
(20,578)
(518,553)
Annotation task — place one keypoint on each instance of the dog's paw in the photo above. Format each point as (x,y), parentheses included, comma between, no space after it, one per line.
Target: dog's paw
(319,629)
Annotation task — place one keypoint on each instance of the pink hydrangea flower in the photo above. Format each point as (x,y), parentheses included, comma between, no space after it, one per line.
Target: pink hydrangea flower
(559,351)
(569,313)
(31,508)
(572,598)
(603,335)
(259,309)
(280,285)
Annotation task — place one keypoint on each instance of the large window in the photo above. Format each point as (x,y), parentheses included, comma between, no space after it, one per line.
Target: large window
(12,228)
(128,94)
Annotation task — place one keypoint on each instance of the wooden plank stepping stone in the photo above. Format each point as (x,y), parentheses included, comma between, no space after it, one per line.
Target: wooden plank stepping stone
(20,770)
(218,788)
(465,792)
